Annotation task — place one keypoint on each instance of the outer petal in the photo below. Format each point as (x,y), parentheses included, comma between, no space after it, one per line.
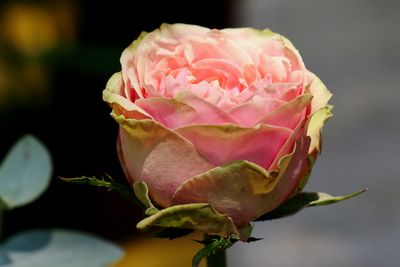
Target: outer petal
(244,190)
(158,157)
(321,94)
(114,96)
(290,114)
(287,148)
(315,129)
(223,144)
(184,109)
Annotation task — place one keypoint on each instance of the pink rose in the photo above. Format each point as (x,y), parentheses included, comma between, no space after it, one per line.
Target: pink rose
(226,117)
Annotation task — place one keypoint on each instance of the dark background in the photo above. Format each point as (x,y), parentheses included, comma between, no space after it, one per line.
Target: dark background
(64,107)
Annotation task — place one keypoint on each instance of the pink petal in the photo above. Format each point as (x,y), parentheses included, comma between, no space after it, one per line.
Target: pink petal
(222,144)
(188,110)
(244,191)
(299,132)
(114,95)
(290,114)
(157,156)
(249,113)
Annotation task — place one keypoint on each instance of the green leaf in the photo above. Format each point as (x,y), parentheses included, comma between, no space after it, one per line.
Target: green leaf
(25,172)
(326,199)
(303,200)
(57,248)
(142,193)
(106,182)
(199,216)
(213,246)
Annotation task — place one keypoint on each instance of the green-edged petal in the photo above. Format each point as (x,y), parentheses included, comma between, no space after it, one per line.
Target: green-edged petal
(321,94)
(314,130)
(157,156)
(142,193)
(290,114)
(113,94)
(244,190)
(221,144)
(199,216)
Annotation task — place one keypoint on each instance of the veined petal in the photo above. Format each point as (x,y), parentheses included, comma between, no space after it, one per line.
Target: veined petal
(290,114)
(225,143)
(244,190)
(157,156)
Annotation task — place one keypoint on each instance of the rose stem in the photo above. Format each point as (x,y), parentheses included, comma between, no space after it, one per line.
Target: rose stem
(218,259)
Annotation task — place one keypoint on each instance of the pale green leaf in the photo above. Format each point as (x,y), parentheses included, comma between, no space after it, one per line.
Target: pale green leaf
(25,172)
(326,199)
(57,248)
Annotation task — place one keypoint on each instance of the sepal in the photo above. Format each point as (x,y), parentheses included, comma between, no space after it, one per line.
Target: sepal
(303,200)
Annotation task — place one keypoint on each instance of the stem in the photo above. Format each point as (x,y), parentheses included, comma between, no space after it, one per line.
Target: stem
(217,259)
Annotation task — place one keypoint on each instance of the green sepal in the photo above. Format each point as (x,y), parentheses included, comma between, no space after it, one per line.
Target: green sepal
(326,199)
(303,200)
(212,246)
(198,216)
(106,182)
(142,193)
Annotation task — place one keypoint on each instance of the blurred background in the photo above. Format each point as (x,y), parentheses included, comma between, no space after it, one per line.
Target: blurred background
(56,56)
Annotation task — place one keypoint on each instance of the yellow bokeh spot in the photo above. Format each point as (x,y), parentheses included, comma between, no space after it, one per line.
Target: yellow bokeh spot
(160,252)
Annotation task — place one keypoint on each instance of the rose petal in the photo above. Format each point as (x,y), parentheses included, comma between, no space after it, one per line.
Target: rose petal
(321,94)
(317,121)
(113,95)
(289,145)
(157,156)
(222,144)
(244,190)
(174,114)
(290,114)
(249,113)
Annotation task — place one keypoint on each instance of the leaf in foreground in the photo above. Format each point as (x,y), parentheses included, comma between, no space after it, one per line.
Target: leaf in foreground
(24,173)
(57,248)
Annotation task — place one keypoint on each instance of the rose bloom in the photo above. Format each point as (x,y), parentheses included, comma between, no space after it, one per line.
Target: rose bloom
(227,117)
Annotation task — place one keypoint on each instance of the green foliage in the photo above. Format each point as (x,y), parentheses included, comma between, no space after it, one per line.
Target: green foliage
(106,182)
(212,246)
(25,173)
(303,200)
(61,248)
